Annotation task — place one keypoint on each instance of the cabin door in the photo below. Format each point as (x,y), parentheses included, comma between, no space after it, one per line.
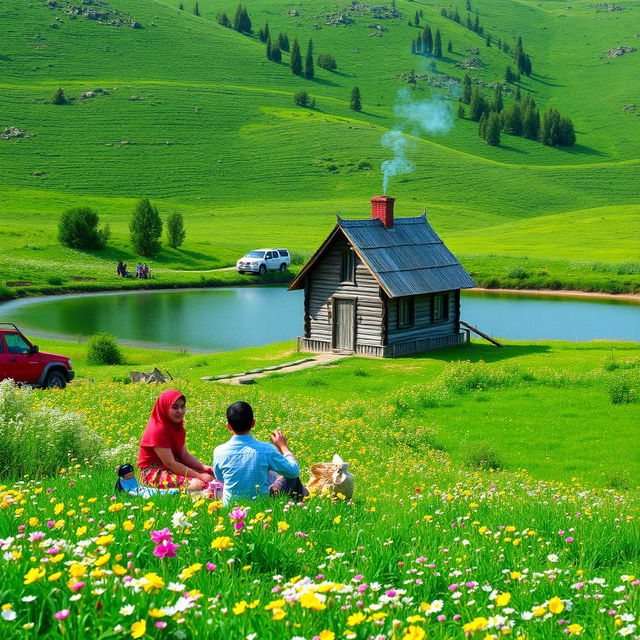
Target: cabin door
(344,318)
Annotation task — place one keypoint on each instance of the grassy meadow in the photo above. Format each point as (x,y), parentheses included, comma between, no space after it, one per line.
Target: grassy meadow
(212,133)
(465,521)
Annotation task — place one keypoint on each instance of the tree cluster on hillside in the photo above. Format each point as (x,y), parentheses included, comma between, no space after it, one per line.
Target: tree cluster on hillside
(78,229)
(241,21)
(428,43)
(522,59)
(303,99)
(520,118)
(326,61)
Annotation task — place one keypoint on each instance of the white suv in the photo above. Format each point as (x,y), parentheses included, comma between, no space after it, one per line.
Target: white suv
(263,260)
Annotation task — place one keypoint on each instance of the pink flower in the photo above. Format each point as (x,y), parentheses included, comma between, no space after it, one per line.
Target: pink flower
(390,593)
(457,617)
(51,523)
(52,551)
(77,586)
(161,624)
(441,618)
(22,527)
(238,525)
(421,559)
(161,536)
(166,550)
(302,535)
(61,615)
(453,587)
(569,539)
(211,567)
(320,576)
(357,578)
(238,514)
(36,535)
(362,587)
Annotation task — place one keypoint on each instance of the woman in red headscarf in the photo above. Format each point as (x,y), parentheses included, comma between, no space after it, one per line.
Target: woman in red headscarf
(164,460)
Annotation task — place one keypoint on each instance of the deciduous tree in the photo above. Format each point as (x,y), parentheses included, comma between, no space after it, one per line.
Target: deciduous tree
(146,228)
(175,229)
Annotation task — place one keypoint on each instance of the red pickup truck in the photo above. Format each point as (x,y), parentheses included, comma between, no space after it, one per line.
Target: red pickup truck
(23,362)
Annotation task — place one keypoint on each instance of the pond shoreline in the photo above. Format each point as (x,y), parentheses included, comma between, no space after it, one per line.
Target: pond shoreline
(563,293)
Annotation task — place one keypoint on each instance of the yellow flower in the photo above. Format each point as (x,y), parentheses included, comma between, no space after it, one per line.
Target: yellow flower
(337,519)
(116,506)
(575,629)
(503,599)
(477,624)
(538,612)
(240,607)
(414,633)
(556,605)
(425,606)
(105,540)
(153,582)
(76,570)
(102,560)
(57,558)
(157,613)
(54,577)
(119,570)
(59,508)
(34,522)
(222,543)
(516,575)
(283,526)
(416,618)
(189,572)
(80,531)
(510,529)
(148,523)
(356,619)
(311,601)
(128,526)
(325,634)
(138,629)
(33,575)
(278,614)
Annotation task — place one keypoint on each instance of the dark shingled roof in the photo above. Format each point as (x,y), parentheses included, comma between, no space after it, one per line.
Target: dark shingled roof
(407,259)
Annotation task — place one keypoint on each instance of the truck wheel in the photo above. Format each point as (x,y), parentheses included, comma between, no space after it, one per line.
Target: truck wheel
(263,269)
(55,380)
(241,273)
(283,267)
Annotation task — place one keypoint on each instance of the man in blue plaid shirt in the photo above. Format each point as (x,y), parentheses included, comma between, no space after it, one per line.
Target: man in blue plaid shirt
(246,465)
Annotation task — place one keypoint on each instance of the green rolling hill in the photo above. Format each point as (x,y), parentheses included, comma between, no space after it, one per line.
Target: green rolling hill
(193,116)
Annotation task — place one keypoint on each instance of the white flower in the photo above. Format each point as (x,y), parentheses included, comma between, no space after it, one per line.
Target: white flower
(75,597)
(127,610)
(179,520)
(628,630)
(252,636)
(527,615)
(29,598)
(176,587)
(9,614)
(552,557)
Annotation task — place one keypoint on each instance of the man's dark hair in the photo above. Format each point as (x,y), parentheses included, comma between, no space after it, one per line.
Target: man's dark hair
(240,417)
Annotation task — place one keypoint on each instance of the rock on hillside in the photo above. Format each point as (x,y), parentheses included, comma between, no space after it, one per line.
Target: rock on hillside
(619,51)
(96,10)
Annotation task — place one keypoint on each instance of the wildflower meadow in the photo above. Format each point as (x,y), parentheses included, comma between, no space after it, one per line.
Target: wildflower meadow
(427,548)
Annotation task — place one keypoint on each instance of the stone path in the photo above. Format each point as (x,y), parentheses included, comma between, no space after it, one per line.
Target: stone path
(249,377)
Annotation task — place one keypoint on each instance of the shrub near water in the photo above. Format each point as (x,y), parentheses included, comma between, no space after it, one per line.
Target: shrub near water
(38,441)
(103,349)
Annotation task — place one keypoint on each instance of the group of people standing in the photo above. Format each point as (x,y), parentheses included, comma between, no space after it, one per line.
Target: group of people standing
(243,467)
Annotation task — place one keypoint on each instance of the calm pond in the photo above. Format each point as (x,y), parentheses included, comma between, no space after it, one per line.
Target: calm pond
(204,320)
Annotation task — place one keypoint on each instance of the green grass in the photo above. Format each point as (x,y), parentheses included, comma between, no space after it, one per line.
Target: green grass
(424,526)
(248,169)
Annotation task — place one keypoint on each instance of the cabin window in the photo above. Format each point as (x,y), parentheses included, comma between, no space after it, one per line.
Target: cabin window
(348,266)
(440,307)
(406,316)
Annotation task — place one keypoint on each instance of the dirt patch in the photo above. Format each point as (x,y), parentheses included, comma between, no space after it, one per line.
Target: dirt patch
(82,278)
(18,283)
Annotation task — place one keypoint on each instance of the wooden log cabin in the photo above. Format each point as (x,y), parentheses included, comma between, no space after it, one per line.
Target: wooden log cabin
(382,287)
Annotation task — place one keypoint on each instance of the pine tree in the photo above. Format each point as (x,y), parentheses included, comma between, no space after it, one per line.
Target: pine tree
(482,126)
(175,230)
(437,45)
(488,40)
(276,54)
(296,58)
(269,51)
(355,102)
(498,103)
(567,133)
(492,130)
(449,47)
(283,41)
(512,119)
(465,96)
(146,228)
(223,19)
(196,12)
(180,7)
(59,97)
(416,20)
(461,111)
(530,122)
(241,21)
(427,41)
(469,23)
(263,34)
(413,46)
(527,65)
(509,77)
(308,62)
(456,17)
(477,105)
(468,4)
(518,95)
(476,24)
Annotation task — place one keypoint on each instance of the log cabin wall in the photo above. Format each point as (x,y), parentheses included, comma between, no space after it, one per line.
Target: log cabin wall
(423,326)
(323,282)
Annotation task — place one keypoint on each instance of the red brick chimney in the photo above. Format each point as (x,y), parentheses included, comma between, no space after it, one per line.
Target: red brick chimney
(382,209)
